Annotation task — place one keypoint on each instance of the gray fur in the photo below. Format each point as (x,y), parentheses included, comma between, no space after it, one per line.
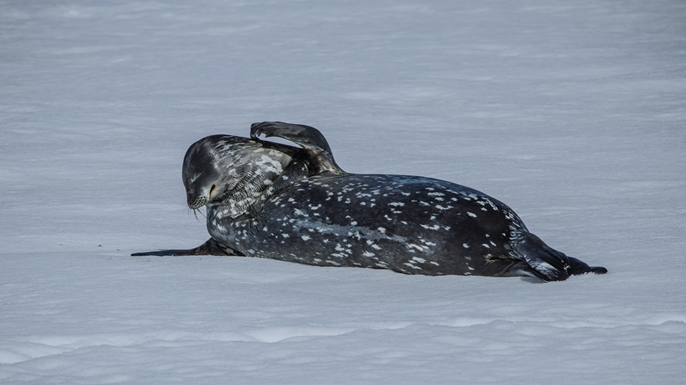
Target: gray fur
(274,201)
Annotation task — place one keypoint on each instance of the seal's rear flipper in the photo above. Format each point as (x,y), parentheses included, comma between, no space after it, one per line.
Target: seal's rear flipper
(550,264)
(211,247)
(309,138)
(579,267)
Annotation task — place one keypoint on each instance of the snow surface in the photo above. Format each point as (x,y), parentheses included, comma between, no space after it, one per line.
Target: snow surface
(571,112)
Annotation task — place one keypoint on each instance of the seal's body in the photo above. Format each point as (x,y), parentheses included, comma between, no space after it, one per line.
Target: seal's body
(274,201)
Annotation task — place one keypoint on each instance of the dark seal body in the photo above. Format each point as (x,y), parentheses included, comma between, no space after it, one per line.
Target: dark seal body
(274,201)
(408,224)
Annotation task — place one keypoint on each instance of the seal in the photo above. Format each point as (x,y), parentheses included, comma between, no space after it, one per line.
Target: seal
(271,200)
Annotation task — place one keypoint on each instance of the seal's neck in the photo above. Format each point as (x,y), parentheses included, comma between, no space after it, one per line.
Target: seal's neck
(250,194)
(238,200)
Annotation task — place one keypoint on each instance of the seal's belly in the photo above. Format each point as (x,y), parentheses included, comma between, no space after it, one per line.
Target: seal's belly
(408,224)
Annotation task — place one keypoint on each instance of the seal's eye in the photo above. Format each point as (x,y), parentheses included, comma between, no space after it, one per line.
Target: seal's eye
(214,186)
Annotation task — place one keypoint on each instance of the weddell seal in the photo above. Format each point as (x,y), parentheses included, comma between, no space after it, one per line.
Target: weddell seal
(270,200)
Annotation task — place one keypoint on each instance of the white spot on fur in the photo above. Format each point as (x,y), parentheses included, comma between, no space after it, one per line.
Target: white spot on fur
(413,246)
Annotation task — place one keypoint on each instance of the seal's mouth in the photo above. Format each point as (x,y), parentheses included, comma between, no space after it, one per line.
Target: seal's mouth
(197,203)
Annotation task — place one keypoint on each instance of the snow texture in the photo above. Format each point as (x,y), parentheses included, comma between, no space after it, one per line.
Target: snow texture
(571,112)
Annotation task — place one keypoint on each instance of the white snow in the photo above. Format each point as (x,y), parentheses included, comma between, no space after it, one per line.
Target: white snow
(572,113)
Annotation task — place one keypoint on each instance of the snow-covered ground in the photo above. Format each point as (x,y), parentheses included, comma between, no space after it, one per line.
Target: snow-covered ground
(571,112)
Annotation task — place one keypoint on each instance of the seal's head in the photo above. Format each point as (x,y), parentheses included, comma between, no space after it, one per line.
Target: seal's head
(231,170)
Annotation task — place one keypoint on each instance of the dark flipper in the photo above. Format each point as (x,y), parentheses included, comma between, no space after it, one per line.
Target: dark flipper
(598,270)
(579,267)
(309,138)
(211,247)
(550,264)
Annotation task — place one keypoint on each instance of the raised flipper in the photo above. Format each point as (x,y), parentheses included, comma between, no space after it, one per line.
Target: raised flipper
(309,138)
(211,247)
(550,264)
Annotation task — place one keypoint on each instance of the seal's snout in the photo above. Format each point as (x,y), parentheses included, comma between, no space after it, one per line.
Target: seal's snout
(196,203)
(196,196)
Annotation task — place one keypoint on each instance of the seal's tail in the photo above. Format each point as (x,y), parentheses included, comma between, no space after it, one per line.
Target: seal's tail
(549,264)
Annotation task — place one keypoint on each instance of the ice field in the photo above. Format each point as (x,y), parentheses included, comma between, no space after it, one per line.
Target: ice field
(573,113)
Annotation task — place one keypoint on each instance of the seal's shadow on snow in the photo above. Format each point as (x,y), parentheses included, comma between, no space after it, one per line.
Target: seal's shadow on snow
(531,280)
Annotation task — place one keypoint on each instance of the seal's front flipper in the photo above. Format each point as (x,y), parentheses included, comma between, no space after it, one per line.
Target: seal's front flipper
(309,138)
(211,247)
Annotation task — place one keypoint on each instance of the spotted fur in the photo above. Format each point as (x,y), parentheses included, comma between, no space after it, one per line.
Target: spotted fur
(274,201)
